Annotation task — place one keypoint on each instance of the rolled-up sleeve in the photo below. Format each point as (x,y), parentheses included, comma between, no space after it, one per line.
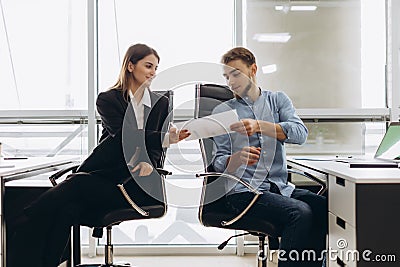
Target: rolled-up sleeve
(293,127)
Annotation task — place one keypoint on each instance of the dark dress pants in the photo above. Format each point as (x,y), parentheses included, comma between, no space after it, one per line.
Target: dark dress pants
(43,230)
(304,220)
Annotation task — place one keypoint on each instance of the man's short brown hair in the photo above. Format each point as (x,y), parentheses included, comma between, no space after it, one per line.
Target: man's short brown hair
(239,53)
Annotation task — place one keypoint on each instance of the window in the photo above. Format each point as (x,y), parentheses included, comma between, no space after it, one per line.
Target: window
(330,59)
(43,56)
(43,67)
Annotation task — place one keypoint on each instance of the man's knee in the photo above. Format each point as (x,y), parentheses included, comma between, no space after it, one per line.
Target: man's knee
(302,213)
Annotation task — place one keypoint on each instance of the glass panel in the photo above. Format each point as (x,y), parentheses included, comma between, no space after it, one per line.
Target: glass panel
(43,140)
(184,158)
(189,32)
(332,56)
(341,138)
(43,56)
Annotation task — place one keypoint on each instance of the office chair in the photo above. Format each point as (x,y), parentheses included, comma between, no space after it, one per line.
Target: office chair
(214,210)
(153,210)
(111,219)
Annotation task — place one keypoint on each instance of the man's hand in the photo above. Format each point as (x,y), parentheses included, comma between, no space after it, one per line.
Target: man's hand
(144,168)
(249,155)
(246,127)
(249,127)
(175,136)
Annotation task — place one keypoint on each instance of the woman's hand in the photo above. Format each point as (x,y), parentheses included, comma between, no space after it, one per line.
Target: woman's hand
(175,136)
(144,168)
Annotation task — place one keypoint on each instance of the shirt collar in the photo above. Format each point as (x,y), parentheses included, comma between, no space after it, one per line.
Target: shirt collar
(146,100)
(248,101)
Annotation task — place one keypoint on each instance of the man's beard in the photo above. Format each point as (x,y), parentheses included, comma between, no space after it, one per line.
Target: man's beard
(245,91)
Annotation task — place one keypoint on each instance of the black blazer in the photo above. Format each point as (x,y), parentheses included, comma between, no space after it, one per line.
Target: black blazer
(121,136)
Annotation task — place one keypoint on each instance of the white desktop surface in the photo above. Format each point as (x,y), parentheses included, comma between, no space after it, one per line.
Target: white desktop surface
(31,164)
(327,164)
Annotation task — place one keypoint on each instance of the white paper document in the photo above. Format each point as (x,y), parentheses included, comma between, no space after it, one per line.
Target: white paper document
(392,153)
(209,126)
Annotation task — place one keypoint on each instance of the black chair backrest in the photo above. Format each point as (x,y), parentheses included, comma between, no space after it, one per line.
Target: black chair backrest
(208,96)
(161,189)
(152,189)
(170,95)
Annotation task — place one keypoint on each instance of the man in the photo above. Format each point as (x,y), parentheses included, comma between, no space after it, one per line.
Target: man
(255,152)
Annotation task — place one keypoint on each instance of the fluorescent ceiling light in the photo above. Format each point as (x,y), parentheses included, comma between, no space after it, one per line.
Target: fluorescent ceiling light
(269,68)
(281,37)
(303,8)
(295,8)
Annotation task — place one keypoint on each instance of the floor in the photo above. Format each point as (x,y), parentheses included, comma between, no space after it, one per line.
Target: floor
(177,261)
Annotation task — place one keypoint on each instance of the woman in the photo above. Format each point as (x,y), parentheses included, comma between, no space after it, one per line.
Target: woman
(128,144)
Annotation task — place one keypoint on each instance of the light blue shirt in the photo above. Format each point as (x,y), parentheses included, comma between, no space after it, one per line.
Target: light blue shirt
(272,107)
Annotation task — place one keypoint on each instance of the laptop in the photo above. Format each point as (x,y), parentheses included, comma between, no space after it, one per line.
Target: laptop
(386,156)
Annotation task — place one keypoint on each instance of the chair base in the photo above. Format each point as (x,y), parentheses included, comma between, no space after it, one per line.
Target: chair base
(262,253)
(108,257)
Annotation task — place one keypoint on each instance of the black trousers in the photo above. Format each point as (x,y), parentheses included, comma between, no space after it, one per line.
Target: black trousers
(303,217)
(42,232)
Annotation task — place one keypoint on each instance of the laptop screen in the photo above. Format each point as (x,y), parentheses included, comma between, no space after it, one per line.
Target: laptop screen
(389,148)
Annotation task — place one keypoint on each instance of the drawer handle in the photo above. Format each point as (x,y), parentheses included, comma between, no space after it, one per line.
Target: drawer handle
(341,222)
(340,262)
(340,181)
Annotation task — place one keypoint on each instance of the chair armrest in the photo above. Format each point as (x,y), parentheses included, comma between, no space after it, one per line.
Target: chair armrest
(135,206)
(60,173)
(163,172)
(313,178)
(131,202)
(232,177)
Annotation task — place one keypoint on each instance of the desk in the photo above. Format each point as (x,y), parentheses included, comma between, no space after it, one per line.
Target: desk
(20,169)
(363,205)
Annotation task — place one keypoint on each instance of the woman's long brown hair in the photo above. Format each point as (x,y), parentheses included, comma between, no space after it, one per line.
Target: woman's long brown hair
(133,54)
